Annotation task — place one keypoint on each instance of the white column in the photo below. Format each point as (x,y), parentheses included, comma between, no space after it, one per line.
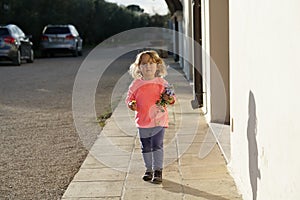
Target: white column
(180,38)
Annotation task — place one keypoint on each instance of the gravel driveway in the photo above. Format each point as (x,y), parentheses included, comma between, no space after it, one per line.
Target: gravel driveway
(40,151)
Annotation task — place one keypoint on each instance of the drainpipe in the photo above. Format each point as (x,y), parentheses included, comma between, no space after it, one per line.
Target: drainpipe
(175,39)
(198,64)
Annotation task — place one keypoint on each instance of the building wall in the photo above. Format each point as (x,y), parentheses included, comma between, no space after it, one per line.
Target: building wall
(264,95)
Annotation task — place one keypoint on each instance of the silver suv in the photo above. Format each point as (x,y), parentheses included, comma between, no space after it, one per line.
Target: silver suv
(15,45)
(61,38)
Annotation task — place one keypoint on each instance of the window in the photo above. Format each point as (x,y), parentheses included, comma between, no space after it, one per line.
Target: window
(57,30)
(4,31)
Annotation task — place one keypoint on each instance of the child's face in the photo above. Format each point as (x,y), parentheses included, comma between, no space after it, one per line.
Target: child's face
(148,67)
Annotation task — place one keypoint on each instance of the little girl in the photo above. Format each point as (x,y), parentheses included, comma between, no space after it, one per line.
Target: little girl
(148,96)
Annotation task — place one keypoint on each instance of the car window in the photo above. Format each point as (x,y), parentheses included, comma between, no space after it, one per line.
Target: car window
(14,31)
(4,31)
(57,30)
(19,32)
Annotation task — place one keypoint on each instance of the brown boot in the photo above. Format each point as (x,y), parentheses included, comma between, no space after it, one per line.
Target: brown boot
(157,179)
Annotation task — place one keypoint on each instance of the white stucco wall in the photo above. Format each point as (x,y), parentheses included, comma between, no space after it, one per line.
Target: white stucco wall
(264,85)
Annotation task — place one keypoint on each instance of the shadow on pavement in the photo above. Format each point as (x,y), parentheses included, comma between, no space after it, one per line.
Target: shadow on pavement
(179,188)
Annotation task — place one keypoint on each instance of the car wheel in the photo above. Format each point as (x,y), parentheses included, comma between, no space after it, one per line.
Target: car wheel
(31,57)
(45,54)
(75,53)
(17,60)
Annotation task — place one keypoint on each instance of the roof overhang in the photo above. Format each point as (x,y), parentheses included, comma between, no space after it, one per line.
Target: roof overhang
(174,5)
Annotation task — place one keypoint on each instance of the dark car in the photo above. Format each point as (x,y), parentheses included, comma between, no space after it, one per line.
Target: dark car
(15,46)
(61,38)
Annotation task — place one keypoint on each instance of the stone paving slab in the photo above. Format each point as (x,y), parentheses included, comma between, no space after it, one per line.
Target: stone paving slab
(94,189)
(102,174)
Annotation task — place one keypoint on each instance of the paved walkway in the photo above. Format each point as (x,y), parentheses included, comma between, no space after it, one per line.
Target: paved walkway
(114,166)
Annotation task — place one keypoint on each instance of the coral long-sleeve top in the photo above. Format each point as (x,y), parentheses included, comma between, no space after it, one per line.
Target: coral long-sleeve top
(146,93)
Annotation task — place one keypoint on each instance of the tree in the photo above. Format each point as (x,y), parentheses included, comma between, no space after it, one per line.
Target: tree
(135,8)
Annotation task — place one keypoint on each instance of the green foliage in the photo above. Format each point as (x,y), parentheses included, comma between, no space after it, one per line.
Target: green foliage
(95,20)
(102,118)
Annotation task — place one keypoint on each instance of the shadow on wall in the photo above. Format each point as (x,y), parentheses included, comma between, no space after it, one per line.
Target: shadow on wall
(252,145)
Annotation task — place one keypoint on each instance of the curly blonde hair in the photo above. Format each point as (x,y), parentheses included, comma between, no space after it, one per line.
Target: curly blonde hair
(135,71)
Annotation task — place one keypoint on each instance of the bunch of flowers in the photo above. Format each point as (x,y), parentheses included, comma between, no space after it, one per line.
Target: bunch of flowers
(165,97)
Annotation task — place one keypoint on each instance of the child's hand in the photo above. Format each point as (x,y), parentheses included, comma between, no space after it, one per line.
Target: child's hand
(132,105)
(168,98)
(165,97)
